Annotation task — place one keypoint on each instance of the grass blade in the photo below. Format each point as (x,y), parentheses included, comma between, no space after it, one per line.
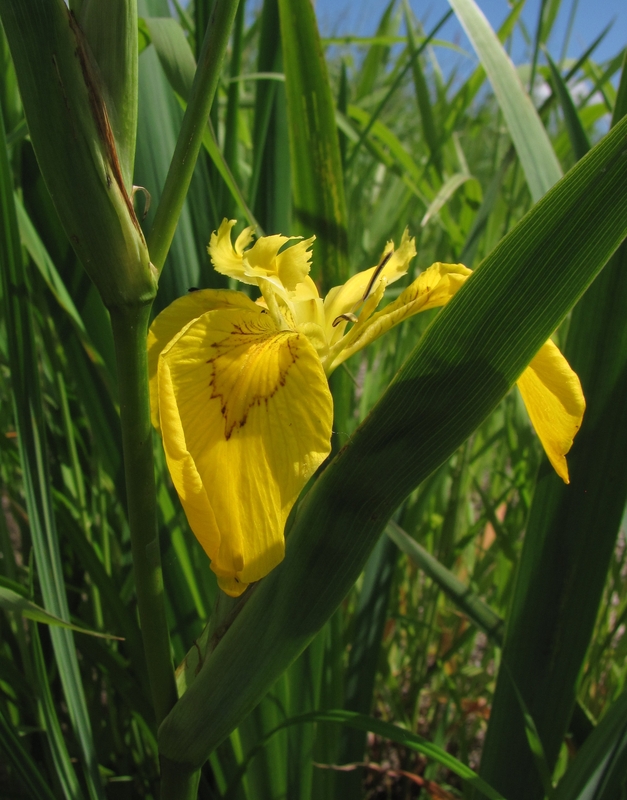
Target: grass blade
(31,439)
(66,774)
(576,133)
(537,158)
(423,99)
(369,622)
(270,190)
(179,66)
(378,52)
(20,759)
(478,612)
(598,772)
(12,601)
(190,135)
(395,86)
(317,181)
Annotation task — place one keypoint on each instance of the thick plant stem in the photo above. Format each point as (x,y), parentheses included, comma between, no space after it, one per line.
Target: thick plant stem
(130,325)
(192,128)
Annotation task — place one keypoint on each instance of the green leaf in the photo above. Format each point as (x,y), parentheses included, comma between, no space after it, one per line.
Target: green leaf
(231,121)
(179,66)
(576,133)
(446,191)
(563,567)
(377,55)
(57,742)
(160,118)
(423,99)
(190,135)
(19,758)
(317,181)
(470,356)
(537,158)
(270,190)
(598,771)
(12,601)
(396,83)
(468,91)
(37,251)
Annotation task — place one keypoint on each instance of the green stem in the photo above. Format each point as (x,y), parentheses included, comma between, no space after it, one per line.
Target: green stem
(130,325)
(192,128)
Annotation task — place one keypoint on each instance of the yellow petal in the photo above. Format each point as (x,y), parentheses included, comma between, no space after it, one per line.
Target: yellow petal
(294,263)
(289,267)
(243,240)
(226,259)
(432,288)
(173,319)
(345,299)
(249,408)
(555,402)
(308,313)
(262,261)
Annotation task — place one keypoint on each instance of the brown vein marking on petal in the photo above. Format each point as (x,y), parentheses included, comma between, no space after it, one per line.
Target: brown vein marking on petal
(240,350)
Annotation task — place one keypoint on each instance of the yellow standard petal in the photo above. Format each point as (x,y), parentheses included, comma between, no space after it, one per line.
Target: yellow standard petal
(229,260)
(555,403)
(263,261)
(246,418)
(173,319)
(287,268)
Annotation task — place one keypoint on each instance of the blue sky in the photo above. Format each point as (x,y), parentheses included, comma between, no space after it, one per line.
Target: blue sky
(337,17)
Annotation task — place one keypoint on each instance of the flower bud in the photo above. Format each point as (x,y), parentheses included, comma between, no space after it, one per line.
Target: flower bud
(74,117)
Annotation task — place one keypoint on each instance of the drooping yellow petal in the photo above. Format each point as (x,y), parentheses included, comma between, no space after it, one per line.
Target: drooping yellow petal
(248,406)
(555,403)
(173,319)
(345,299)
(432,288)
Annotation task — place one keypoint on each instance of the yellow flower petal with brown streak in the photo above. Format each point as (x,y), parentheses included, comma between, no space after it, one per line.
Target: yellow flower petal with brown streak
(549,387)
(173,319)
(555,403)
(345,299)
(432,288)
(246,418)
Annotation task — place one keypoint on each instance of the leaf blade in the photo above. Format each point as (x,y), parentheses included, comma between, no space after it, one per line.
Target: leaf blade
(536,154)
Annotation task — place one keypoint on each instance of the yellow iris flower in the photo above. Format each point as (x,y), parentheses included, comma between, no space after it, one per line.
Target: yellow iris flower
(239,389)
